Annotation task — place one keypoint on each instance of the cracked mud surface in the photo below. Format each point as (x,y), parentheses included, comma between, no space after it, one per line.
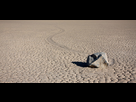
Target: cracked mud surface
(56,51)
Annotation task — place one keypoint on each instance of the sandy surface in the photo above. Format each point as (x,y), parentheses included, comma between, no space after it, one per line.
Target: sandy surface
(56,51)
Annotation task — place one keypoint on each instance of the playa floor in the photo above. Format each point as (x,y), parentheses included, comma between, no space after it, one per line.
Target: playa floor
(55,51)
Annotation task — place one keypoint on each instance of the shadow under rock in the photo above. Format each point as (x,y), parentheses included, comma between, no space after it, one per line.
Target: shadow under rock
(81,64)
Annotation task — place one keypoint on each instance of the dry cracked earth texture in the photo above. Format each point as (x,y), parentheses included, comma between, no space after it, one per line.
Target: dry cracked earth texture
(56,51)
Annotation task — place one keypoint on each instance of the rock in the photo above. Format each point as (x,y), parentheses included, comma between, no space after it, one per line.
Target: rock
(97,60)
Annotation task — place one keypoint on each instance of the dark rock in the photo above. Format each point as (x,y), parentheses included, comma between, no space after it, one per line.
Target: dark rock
(97,60)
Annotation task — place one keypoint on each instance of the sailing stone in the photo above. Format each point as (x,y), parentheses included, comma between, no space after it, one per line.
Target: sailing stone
(97,60)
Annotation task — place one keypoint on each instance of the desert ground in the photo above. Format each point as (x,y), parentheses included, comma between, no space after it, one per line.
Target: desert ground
(55,51)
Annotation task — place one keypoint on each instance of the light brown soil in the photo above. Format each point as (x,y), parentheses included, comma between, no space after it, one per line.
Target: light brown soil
(56,51)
